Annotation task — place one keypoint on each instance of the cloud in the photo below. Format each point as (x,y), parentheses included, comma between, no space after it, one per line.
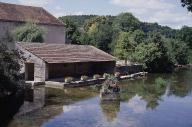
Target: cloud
(59,11)
(137,105)
(36,2)
(162,11)
(175,20)
(146,4)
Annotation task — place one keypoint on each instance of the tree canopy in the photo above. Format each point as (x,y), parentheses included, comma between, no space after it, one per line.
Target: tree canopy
(187,4)
(30,32)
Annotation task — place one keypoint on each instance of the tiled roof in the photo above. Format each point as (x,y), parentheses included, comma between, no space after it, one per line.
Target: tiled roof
(66,53)
(20,13)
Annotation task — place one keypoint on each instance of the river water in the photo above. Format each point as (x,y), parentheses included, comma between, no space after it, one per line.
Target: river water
(143,104)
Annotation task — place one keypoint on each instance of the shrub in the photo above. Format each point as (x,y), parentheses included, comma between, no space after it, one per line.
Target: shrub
(106,75)
(30,32)
(69,79)
(117,74)
(84,78)
(10,79)
(96,76)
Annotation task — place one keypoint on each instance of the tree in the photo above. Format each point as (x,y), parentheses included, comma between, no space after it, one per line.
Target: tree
(138,36)
(30,32)
(126,22)
(9,70)
(188,4)
(185,35)
(99,32)
(155,56)
(181,51)
(124,47)
(73,33)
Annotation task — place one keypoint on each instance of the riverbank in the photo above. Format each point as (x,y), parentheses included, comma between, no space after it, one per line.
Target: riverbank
(62,85)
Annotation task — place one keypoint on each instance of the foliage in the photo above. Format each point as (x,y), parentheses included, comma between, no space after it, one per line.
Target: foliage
(126,22)
(84,78)
(73,32)
(124,47)
(68,79)
(96,76)
(188,4)
(180,51)
(9,70)
(120,35)
(98,32)
(30,32)
(79,20)
(106,75)
(155,56)
(185,35)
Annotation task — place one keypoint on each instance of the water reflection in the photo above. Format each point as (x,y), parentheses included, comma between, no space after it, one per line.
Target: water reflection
(110,109)
(144,103)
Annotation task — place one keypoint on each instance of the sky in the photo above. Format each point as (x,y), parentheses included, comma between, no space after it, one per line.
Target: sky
(164,12)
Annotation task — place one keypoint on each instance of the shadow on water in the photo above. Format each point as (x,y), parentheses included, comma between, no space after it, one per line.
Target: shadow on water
(9,106)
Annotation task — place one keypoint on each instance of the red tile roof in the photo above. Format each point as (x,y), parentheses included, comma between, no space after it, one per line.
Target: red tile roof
(65,53)
(20,13)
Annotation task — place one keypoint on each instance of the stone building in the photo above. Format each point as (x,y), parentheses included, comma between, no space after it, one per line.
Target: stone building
(12,16)
(49,61)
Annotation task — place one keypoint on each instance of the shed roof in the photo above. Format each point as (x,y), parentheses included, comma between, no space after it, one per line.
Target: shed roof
(66,53)
(21,13)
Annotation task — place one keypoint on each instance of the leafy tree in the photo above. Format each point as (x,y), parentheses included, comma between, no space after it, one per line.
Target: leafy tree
(30,32)
(9,70)
(126,22)
(155,56)
(188,4)
(124,47)
(185,35)
(99,32)
(73,33)
(180,51)
(138,36)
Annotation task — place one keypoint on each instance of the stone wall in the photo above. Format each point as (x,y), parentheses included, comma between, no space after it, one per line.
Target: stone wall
(40,68)
(53,33)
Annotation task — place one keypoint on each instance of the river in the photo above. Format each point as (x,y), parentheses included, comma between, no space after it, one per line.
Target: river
(143,104)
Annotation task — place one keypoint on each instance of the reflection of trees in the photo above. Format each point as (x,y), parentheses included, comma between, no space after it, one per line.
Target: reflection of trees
(182,85)
(151,93)
(179,85)
(110,109)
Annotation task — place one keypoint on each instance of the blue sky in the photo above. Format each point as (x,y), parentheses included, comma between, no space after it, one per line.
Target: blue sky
(164,12)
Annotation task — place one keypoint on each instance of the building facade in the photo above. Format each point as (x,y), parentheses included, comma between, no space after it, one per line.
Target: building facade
(13,16)
(50,61)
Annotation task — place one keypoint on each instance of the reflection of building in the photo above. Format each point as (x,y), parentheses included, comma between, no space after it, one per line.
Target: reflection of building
(37,100)
(110,109)
(12,16)
(48,61)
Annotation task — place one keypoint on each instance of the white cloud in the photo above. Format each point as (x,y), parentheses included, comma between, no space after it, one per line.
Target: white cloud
(137,104)
(176,20)
(36,2)
(161,11)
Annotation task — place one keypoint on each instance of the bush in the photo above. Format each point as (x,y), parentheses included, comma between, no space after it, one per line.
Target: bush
(106,75)
(117,74)
(96,76)
(30,32)
(69,79)
(84,78)
(10,79)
